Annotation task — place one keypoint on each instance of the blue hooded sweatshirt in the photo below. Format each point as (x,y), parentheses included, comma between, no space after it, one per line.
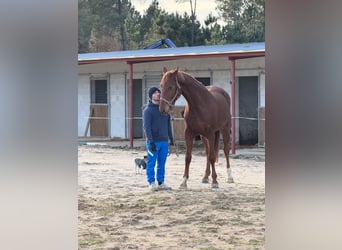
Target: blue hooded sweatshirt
(157,126)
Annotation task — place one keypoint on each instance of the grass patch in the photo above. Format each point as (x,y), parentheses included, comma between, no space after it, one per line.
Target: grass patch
(259,241)
(210,248)
(154,200)
(209,229)
(91,240)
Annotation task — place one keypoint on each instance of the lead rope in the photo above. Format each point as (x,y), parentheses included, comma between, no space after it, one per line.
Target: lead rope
(173,134)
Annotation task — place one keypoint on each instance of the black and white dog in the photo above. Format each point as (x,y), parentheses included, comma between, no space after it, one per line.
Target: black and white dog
(140,164)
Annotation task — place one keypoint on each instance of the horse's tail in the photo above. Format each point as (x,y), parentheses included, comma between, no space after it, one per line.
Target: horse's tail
(217,145)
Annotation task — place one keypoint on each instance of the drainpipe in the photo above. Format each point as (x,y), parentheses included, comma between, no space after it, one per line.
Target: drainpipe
(130,105)
(232,81)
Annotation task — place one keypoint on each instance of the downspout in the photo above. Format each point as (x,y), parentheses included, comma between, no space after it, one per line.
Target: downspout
(130,91)
(232,81)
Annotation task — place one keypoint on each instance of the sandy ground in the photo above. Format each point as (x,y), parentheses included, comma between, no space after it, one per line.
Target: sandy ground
(118,211)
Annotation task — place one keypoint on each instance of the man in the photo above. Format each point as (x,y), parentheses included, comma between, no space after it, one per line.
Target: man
(158,131)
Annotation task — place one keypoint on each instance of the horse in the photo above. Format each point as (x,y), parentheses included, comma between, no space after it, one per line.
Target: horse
(207,113)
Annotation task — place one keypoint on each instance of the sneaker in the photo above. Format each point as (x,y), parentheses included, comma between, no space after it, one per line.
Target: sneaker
(163,186)
(153,187)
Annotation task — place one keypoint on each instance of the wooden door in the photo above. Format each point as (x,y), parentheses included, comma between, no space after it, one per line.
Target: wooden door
(99,108)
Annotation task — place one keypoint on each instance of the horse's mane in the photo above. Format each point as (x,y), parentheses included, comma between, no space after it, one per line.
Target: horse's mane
(182,75)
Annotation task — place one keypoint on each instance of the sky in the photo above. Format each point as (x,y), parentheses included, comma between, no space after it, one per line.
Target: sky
(203,8)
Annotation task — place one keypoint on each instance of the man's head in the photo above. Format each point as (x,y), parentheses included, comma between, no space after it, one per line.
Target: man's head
(151,92)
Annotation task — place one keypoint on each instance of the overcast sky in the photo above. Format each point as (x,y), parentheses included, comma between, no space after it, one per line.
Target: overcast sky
(203,8)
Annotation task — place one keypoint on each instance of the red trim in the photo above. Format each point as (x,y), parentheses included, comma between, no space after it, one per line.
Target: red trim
(131,105)
(232,78)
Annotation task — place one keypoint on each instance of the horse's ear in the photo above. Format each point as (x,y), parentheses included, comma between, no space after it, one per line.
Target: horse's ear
(176,70)
(164,70)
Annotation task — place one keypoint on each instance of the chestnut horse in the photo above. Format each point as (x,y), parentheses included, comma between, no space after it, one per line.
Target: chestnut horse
(207,114)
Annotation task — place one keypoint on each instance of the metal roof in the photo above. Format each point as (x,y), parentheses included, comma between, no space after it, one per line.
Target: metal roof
(233,51)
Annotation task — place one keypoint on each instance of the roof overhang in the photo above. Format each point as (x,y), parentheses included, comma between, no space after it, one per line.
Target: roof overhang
(144,56)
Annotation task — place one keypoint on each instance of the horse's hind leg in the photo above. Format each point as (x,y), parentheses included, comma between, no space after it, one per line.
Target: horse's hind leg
(213,156)
(225,134)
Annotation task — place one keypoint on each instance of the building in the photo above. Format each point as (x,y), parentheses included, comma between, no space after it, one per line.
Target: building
(112,87)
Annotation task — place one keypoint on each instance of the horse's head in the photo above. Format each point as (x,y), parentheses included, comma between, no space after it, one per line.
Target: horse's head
(170,90)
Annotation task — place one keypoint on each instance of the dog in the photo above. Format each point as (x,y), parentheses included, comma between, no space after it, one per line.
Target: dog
(140,164)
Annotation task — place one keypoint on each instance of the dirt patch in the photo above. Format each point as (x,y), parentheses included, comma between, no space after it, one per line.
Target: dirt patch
(117,210)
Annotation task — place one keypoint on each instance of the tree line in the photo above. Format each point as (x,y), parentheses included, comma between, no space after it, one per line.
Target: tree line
(113,25)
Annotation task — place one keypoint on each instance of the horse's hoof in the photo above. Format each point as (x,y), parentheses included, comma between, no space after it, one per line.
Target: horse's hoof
(214,185)
(205,180)
(230,180)
(182,186)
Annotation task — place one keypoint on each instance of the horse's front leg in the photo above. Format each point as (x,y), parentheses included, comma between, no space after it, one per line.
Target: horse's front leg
(205,178)
(189,140)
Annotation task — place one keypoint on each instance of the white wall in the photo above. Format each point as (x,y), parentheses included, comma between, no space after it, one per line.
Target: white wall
(262,90)
(117,106)
(83,103)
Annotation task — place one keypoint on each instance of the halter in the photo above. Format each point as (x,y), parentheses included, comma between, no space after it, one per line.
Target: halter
(175,96)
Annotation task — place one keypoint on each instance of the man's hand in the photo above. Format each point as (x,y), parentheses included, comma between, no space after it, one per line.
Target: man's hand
(153,146)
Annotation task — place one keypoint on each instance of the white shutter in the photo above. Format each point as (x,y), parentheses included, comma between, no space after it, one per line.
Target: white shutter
(150,81)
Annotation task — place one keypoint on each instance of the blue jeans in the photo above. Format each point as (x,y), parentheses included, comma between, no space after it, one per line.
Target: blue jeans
(158,157)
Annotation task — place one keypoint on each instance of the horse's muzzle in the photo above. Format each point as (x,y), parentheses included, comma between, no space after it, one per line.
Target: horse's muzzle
(165,109)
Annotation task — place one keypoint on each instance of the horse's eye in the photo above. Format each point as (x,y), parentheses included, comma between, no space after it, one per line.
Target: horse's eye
(169,88)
